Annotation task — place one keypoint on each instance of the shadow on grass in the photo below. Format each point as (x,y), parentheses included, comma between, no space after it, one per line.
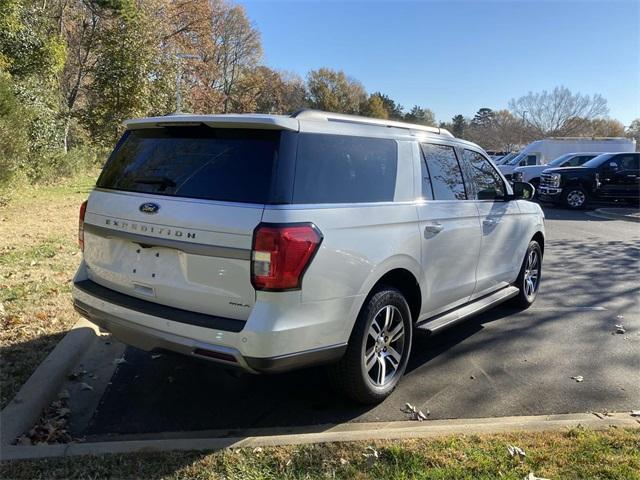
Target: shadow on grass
(19,360)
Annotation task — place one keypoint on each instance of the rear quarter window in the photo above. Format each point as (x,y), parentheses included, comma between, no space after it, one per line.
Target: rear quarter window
(344,169)
(234,165)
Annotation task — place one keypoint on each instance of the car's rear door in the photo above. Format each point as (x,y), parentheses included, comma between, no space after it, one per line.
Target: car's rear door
(619,176)
(172,217)
(627,177)
(450,232)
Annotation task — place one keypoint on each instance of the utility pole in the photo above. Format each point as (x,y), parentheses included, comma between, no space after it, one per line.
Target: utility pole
(180,57)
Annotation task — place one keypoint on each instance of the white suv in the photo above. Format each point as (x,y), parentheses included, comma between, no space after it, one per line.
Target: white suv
(270,243)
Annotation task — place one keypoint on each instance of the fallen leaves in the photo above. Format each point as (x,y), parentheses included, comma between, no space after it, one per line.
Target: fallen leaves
(513,451)
(372,456)
(531,476)
(52,426)
(414,413)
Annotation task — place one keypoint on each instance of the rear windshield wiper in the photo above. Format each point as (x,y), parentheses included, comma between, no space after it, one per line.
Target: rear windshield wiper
(164,182)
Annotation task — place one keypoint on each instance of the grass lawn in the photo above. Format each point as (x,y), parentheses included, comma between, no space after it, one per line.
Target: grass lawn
(38,258)
(576,454)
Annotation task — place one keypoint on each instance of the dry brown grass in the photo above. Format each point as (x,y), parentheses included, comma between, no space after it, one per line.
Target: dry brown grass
(38,257)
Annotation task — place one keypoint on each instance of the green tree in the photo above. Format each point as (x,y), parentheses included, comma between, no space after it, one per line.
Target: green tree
(333,91)
(374,107)
(458,126)
(483,118)
(395,110)
(421,116)
(13,130)
(131,77)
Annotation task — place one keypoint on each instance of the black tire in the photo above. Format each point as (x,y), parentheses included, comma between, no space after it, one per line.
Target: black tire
(350,375)
(526,297)
(575,198)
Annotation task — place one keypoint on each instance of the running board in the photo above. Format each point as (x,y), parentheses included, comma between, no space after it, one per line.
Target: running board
(450,318)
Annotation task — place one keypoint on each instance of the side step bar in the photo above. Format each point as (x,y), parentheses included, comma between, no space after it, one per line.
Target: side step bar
(450,318)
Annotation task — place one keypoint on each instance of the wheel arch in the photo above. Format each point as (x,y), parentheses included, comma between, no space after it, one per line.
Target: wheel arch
(407,284)
(401,272)
(539,237)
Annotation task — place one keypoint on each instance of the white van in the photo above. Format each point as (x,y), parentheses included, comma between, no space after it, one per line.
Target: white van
(544,151)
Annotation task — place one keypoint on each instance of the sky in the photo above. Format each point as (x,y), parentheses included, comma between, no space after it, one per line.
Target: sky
(458,56)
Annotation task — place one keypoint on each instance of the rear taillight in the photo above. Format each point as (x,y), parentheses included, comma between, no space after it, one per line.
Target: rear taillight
(281,254)
(83,210)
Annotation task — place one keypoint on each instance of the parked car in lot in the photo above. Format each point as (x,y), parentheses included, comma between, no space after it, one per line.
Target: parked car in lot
(269,243)
(541,152)
(612,176)
(531,173)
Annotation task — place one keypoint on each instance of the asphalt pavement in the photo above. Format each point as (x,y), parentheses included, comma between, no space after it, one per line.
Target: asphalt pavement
(501,363)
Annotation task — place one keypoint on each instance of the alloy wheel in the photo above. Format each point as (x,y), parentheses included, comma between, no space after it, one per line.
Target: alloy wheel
(531,274)
(384,346)
(576,198)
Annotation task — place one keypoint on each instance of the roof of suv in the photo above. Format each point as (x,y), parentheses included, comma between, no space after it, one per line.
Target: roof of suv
(281,122)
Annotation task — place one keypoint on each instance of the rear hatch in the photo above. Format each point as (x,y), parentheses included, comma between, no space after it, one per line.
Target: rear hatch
(172,217)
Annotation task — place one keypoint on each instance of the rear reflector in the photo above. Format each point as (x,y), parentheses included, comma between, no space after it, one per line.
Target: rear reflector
(281,254)
(213,354)
(83,210)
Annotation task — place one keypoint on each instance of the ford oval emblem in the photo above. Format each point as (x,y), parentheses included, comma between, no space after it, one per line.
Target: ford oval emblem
(149,208)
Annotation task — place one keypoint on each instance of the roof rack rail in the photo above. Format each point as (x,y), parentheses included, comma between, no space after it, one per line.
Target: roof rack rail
(310,114)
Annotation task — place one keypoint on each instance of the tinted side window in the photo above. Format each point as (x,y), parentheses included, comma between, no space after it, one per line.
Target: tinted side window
(444,171)
(345,169)
(628,162)
(487,182)
(582,159)
(427,191)
(574,161)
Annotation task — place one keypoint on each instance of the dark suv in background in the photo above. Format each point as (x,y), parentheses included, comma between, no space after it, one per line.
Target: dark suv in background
(610,176)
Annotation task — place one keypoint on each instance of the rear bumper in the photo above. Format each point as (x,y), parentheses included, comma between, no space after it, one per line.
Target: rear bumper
(117,314)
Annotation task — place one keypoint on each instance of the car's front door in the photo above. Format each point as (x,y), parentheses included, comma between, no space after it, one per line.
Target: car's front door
(450,232)
(501,247)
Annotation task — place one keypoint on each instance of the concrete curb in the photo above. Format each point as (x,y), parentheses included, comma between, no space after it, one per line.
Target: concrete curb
(42,386)
(338,433)
(602,212)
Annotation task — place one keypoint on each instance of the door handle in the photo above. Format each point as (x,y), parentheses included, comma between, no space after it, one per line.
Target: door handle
(490,221)
(432,229)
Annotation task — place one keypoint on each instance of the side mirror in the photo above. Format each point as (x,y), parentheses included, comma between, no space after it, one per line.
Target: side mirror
(613,166)
(523,191)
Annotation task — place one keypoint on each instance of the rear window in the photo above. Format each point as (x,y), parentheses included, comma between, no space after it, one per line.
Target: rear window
(345,169)
(234,165)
